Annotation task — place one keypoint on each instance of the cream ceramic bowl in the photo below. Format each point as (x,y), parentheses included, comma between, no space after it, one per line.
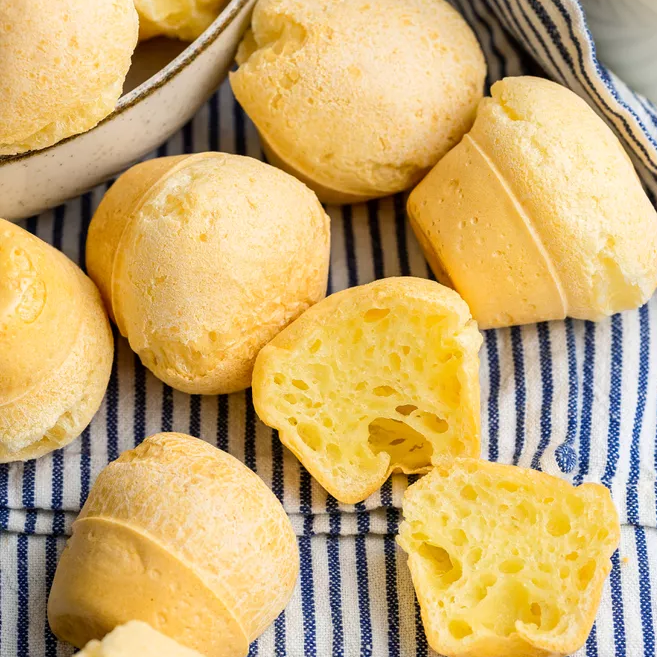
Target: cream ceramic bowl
(167,83)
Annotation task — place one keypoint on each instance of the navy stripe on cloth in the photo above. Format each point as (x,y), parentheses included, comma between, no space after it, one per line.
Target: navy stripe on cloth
(493,399)
(565,453)
(279,636)
(140,402)
(23,625)
(112,401)
(588,396)
(335,587)
(645,595)
(617,606)
(222,422)
(547,392)
(391,584)
(366,644)
(520,391)
(613,441)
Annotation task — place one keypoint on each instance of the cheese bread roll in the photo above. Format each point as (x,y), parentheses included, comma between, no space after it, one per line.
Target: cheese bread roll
(56,347)
(179,19)
(359,99)
(62,67)
(538,213)
(375,379)
(184,537)
(203,259)
(507,561)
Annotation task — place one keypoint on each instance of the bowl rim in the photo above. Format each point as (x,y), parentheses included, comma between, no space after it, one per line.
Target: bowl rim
(156,81)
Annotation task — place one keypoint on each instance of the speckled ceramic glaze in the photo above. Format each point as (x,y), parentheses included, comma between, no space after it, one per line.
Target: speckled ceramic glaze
(144,118)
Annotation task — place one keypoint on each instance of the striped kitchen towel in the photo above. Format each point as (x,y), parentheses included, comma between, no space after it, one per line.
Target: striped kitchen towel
(572,398)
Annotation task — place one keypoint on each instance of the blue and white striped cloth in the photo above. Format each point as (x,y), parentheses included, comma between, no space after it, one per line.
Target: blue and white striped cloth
(572,398)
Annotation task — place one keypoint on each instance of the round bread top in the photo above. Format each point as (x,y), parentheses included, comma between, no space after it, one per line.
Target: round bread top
(222,252)
(360,97)
(40,316)
(210,511)
(62,67)
(575,183)
(181,19)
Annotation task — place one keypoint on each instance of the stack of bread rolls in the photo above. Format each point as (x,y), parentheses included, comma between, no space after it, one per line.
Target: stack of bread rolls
(215,266)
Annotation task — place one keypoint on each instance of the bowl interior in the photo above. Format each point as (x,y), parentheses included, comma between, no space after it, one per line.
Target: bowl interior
(149,58)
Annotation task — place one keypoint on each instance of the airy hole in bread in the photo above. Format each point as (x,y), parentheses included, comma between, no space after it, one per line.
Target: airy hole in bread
(278,36)
(523,560)
(406,447)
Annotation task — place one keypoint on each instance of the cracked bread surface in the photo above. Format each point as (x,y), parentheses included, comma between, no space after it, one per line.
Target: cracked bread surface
(401,78)
(505,560)
(375,379)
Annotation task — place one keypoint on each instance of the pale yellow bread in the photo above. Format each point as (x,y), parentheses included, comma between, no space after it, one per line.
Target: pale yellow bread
(359,99)
(62,67)
(178,19)
(507,561)
(56,347)
(203,259)
(184,537)
(538,213)
(375,379)
(136,639)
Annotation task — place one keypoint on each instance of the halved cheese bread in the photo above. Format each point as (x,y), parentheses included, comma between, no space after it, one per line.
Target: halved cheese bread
(507,561)
(372,380)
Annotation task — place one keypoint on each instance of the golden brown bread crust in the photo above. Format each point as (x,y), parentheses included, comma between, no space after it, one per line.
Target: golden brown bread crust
(538,213)
(375,379)
(179,19)
(205,547)
(505,560)
(202,259)
(400,78)
(62,68)
(56,347)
